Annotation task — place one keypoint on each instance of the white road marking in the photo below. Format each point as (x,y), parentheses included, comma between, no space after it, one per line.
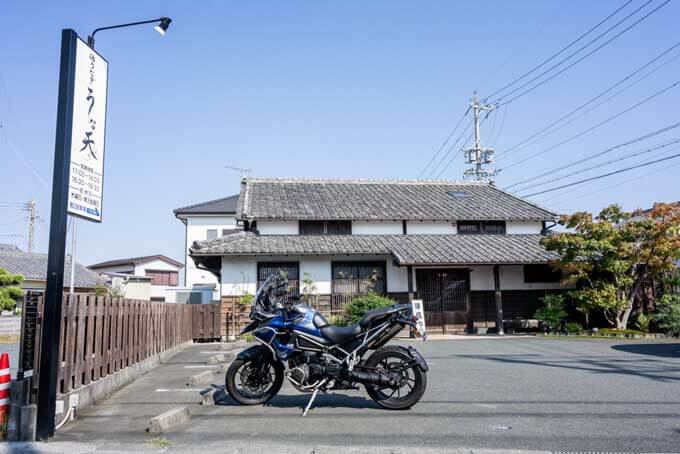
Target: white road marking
(180,390)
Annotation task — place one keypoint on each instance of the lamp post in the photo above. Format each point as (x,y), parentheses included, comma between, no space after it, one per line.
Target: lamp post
(72,83)
(162,27)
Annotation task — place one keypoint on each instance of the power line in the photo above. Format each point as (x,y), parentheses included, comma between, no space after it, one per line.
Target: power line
(576,136)
(460,150)
(593,156)
(448,152)
(555,55)
(620,183)
(599,95)
(585,180)
(544,24)
(543,82)
(500,130)
(453,131)
(603,164)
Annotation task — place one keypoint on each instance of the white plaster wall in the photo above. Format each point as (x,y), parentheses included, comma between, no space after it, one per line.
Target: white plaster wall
(430,227)
(376,227)
(278,227)
(523,227)
(197,230)
(137,290)
(236,270)
(512,278)
(319,269)
(239,275)
(481,278)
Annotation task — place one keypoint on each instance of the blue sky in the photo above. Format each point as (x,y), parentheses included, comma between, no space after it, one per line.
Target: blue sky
(317,89)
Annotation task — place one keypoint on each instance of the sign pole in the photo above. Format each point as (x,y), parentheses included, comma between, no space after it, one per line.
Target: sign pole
(51,326)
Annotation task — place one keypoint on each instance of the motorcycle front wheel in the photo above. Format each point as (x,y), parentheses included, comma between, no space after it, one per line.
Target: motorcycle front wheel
(253,381)
(411,386)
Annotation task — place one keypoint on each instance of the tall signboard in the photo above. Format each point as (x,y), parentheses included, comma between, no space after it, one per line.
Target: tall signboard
(76,189)
(87,135)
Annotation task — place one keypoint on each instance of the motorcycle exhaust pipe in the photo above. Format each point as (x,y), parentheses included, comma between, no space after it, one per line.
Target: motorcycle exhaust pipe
(374,378)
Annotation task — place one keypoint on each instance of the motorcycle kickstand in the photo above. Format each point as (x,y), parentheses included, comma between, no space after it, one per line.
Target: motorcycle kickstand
(311,399)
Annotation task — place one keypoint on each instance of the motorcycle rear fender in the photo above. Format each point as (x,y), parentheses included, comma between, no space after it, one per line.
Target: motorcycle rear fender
(418,358)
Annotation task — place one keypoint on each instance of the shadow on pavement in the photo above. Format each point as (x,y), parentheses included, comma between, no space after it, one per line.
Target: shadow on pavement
(657,370)
(665,350)
(287,401)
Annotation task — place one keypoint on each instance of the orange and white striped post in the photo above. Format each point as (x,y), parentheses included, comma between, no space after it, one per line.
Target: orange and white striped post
(5,380)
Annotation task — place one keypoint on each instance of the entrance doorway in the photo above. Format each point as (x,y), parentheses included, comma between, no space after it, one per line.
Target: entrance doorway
(446,297)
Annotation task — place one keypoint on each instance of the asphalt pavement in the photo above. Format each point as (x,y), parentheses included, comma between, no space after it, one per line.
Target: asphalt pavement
(483,394)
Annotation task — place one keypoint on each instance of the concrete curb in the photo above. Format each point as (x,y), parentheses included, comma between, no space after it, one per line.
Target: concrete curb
(204,378)
(219,359)
(169,420)
(97,390)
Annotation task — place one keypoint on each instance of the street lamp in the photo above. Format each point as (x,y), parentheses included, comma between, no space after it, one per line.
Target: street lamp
(82,79)
(162,27)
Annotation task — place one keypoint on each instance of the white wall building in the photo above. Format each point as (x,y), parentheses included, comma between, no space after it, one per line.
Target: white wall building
(162,271)
(470,251)
(206,221)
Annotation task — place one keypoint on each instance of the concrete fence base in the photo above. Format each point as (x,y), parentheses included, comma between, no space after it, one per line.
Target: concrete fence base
(89,394)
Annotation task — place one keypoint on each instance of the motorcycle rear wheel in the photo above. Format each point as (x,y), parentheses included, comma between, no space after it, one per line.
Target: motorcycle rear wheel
(413,384)
(250,382)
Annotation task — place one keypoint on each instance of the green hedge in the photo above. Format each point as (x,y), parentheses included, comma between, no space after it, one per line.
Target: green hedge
(362,304)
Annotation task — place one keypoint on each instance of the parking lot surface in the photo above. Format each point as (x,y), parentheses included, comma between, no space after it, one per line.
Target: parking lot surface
(498,394)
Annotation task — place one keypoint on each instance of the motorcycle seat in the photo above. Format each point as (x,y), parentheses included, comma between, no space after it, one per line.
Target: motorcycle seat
(377,315)
(341,334)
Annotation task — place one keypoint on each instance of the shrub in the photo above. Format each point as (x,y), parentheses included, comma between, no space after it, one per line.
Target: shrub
(668,314)
(552,313)
(619,331)
(246,299)
(573,327)
(642,322)
(362,304)
(337,320)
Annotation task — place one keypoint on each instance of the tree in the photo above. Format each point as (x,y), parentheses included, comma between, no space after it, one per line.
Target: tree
(10,292)
(609,257)
(310,293)
(668,314)
(552,313)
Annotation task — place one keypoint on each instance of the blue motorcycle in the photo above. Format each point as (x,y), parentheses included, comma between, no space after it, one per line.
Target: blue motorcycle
(298,343)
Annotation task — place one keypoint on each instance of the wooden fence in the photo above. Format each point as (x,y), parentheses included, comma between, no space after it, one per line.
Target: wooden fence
(102,335)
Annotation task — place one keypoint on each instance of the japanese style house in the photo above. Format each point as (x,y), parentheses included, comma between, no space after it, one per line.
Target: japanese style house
(470,251)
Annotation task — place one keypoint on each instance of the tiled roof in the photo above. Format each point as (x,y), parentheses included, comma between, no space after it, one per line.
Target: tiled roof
(33,266)
(136,261)
(406,249)
(225,205)
(381,200)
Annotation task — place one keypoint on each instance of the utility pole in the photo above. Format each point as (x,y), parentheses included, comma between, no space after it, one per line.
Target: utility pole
(30,207)
(478,155)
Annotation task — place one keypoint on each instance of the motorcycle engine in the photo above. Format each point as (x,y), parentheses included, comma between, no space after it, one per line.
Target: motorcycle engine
(309,368)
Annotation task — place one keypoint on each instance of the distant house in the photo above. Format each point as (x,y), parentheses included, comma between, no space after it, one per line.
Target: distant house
(458,246)
(33,266)
(162,271)
(206,221)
